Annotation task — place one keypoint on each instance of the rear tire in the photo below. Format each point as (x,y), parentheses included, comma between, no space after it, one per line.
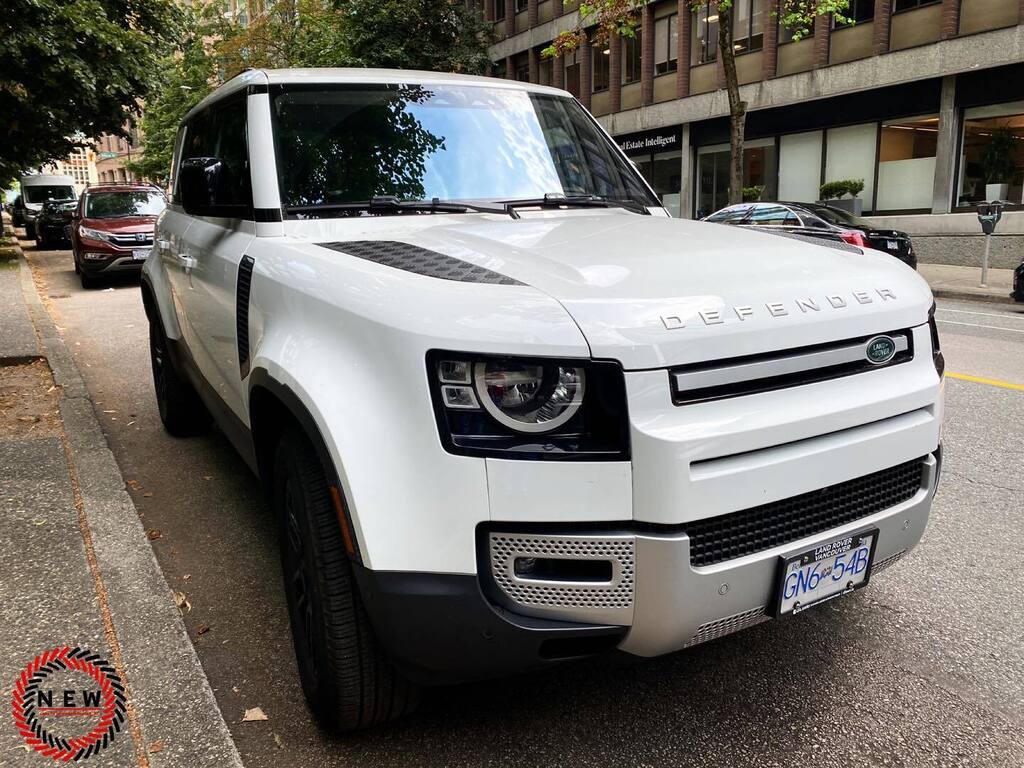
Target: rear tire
(181,411)
(348,681)
(30,231)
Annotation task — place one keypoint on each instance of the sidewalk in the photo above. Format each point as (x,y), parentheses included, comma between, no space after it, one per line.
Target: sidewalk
(77,570)
(953,282)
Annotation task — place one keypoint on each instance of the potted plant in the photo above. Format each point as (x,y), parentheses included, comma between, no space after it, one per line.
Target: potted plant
(997,164)
(832,194)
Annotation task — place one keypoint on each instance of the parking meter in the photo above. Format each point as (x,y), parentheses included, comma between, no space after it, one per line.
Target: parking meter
(989,215)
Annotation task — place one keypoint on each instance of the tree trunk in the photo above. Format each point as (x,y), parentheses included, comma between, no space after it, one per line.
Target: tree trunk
(737,108)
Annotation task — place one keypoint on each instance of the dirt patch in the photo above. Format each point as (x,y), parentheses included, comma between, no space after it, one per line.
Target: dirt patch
(29,401)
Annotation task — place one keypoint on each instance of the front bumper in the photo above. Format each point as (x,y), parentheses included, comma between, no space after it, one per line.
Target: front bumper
(116,263)
(447,628)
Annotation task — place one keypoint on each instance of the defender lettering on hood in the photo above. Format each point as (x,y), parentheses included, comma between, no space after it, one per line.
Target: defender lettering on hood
(779,308)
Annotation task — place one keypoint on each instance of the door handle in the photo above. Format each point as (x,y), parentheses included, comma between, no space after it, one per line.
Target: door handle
(163,245)
(185,260)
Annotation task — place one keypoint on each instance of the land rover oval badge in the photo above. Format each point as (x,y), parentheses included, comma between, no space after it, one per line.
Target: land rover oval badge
(880,350)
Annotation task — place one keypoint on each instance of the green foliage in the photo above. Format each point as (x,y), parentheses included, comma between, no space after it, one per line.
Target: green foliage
(75,69)
(436,35)
(607,18)
(753,194)
(997,163)
(798,15)
(833,190)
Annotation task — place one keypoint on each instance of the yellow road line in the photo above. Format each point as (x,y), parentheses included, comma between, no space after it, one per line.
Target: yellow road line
(990,382)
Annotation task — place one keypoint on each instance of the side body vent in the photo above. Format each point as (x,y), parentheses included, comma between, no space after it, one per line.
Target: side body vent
(412,258)
(242,313)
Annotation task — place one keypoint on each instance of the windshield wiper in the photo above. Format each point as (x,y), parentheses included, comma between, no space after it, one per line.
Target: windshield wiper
(558,200)
(388,204)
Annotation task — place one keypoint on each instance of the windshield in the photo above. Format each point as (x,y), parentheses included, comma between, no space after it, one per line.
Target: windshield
(45,192)
(837,216)
(346,144)
(108,205)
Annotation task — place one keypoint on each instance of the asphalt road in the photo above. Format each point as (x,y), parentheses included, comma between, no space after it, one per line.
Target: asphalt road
(925,667)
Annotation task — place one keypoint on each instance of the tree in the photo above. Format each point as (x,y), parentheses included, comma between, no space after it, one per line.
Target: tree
(188,74)
(75,69)
(612,17)
(437,35)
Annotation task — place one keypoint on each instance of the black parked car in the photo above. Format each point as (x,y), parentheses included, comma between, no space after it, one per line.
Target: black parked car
(53,222)
(18,212)
(1018,283)
(819,221)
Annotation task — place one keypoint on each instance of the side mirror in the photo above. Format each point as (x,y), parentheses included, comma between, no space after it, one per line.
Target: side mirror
(200,180)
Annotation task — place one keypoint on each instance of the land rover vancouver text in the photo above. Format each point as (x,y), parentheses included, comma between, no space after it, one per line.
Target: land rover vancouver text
(508,412)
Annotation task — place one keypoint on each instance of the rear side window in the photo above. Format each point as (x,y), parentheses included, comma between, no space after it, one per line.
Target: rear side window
(220,132)
(773,216)
(732,215)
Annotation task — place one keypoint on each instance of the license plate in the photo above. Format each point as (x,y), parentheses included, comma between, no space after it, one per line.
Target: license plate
(892,245)
(825,572)
(140,254)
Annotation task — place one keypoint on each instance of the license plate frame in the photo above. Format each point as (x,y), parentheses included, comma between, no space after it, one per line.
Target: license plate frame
(822,553)
(144,254)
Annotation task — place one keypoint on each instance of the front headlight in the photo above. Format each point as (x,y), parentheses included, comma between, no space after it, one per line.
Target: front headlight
(94,234)
(529,408)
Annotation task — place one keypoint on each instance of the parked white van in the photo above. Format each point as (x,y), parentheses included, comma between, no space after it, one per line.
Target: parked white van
(39,188)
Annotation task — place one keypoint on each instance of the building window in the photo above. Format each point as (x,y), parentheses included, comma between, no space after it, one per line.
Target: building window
(908,5)
(859,11)
(666,43)
(523,72)
(572,75)
(705,35)
(748,26)
(521,5)
(906,164)
(992,156)
(632,50)
(760,169)
(601,68)
(499,10)
(546,72)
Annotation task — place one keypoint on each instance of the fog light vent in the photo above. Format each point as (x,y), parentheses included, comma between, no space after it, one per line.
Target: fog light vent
(569,577)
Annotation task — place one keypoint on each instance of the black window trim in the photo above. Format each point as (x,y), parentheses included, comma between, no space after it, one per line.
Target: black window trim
(917,4)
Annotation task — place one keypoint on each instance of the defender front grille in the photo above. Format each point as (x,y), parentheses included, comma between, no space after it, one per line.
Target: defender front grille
(600,599)
(737,534)
(752,374)
(722,627)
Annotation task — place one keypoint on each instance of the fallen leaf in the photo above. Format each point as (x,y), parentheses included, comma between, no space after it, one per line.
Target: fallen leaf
(153,534)
(202,629)
(182,602)
(147,494)
(253,714)
(156,746)
(186,577)
(278,741)
(207,477)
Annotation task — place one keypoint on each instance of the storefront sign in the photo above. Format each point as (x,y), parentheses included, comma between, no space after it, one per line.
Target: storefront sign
(645,142)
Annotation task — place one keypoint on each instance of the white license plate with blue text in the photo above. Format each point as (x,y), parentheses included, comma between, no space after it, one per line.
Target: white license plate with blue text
(892,245)
(827,571)
(140,254)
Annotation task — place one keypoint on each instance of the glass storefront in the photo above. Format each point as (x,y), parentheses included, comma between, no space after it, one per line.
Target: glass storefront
(992,154)
(760,174)
(657,156)
(906,163)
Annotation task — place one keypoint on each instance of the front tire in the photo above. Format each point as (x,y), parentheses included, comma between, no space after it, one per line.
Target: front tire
(181,411)
(348,681)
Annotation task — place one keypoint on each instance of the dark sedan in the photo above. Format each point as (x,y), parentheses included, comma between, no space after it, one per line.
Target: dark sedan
(53,222)
(1018,283)
(819,221)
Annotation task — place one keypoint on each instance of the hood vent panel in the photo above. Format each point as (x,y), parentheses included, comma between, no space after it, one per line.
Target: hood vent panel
(412,258)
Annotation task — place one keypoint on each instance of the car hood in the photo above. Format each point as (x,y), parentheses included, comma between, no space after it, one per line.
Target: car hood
(128,225)
(652,291)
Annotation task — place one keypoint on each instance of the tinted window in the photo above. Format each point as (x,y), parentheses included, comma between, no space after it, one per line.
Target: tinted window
(773,216)
(109,205)
(836,216)
(731,215)
(349,144)
(45,192)
(220,132)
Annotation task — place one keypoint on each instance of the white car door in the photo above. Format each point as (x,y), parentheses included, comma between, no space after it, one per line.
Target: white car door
(206,263)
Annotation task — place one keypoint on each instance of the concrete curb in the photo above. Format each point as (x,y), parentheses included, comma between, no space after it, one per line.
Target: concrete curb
(942,293)
(168,687)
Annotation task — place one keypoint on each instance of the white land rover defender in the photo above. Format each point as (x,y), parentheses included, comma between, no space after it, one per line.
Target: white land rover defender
(508,411)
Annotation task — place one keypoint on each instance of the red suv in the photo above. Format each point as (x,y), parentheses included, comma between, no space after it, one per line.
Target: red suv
(112,230)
